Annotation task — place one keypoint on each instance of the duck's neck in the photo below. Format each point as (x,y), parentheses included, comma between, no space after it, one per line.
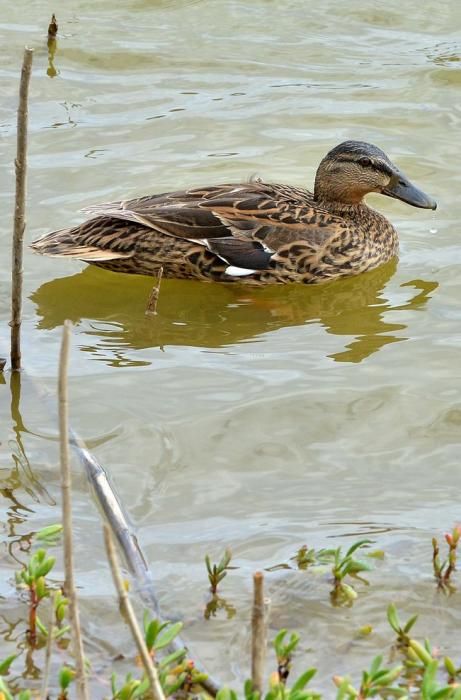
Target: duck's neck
(367,219)
(343,209)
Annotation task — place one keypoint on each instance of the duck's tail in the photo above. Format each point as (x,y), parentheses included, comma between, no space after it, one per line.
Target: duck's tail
(65,244)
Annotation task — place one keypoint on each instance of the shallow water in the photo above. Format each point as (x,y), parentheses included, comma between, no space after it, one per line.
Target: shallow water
(256,419)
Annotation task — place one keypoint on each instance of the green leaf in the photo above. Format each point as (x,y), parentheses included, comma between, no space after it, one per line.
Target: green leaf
(357,545)
(409,624)
(450,666)
(49,533)
(388,677)
(422,653)
(355,566)
(164,639)
(41,627)
(172,658)
(303,680)
(173,687)
(6,663)
(393,618)
(141,688)
(225,559)
(292,644)
(278,640)
(46,566)
(375,664)
(66,676)
(151,632)
(40,588)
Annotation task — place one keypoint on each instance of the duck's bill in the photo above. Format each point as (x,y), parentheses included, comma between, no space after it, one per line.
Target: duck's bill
(401,188)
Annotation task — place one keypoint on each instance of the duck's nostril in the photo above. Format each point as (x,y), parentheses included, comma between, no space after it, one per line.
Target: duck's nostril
(402,183)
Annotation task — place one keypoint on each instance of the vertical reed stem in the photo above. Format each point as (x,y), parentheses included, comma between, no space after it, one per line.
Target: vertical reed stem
(66,491)
(151,309)
(125,605)
(258,628)
(20,165)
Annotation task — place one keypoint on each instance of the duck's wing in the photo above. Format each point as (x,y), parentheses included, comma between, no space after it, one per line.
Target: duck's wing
(247,225)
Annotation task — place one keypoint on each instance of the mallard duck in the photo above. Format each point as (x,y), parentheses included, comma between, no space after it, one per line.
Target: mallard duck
(254,232)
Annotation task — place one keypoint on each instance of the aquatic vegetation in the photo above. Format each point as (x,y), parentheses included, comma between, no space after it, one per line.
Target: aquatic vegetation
(284,653)
(443,570)
(217,572)
(33,577)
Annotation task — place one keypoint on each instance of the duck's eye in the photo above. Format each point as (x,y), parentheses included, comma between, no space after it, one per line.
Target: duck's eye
(365,162)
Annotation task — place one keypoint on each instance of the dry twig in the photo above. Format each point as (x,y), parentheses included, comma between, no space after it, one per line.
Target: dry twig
(125,605)
(258,628)
(151,308)
(66,486)
(46,670)
(20,165)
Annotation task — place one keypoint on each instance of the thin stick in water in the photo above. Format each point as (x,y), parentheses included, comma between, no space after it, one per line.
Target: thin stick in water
(20,165)
(46,670)
(151,309)
(66,491)
(126,607)
(258,629)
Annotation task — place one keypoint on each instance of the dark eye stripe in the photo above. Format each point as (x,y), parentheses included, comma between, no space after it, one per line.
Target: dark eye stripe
(382,167)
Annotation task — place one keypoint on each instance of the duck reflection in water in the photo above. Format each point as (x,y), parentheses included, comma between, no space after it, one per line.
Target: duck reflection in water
(113,314)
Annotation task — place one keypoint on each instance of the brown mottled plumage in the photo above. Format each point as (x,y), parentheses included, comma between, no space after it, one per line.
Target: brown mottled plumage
(255,232)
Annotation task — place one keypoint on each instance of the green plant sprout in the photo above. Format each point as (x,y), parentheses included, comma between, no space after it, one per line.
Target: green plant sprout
(32,576)
(401,630)
(375,681)
(346,565)
(277,690)
(217,572)
(66,676)
(284,653)
(444,570)
(159,635)
(130,689)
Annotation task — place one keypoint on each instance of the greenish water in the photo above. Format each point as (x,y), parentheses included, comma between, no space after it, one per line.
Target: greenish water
(259,419)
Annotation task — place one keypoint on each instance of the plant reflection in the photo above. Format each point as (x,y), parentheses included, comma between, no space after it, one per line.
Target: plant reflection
(21,478)
(207,315)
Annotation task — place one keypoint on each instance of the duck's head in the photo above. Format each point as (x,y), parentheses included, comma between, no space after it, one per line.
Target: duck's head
(355,168)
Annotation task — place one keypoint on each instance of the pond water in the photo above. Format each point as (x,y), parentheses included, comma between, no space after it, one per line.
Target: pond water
(257,419)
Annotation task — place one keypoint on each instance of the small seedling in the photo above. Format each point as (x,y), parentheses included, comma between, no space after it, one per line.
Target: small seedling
(454,674)
(305,557)
(343,593)
(284,653)
(66,676)
(217,572)
(130,689)
(444,570)
(159,635)
(402,631)
(277,690)
(432,690)
(33,577)
(376,681)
